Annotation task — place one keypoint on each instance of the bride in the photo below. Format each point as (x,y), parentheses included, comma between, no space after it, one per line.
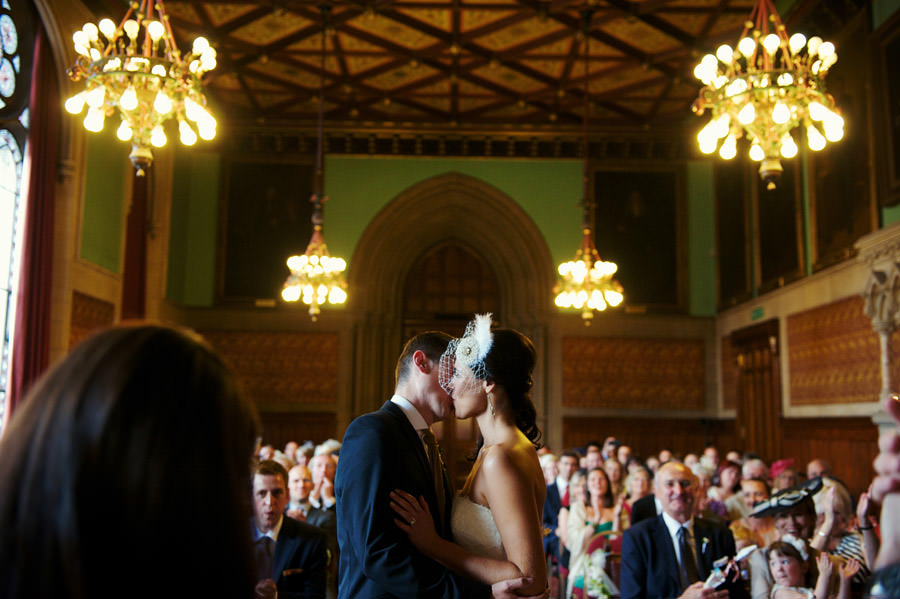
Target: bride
(496,519)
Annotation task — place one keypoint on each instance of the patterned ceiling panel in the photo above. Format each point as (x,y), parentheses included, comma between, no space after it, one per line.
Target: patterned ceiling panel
(447,64)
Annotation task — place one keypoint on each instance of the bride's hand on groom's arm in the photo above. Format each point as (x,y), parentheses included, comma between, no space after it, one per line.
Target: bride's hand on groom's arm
(508,589)
(414,519)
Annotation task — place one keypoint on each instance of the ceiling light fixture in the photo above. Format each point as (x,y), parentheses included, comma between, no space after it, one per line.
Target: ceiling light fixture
(765,87)
(586,283)
(136,69)
(317,277)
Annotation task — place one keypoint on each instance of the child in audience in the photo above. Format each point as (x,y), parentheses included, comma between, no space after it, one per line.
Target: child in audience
(795,575)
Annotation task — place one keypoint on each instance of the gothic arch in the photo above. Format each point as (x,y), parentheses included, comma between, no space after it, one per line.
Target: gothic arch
(453,207)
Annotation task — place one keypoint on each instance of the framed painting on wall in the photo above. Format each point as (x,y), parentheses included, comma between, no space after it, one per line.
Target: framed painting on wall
(264,218)
(637,225)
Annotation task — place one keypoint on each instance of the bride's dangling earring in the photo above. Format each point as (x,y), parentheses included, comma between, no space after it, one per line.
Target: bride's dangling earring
(491,403)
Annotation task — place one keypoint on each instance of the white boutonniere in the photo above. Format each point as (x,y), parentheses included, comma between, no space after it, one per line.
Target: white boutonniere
(704,545)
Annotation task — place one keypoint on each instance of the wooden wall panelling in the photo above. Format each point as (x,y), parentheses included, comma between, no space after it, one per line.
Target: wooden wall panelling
(89,315)
(730,374)
(647,436)
(621,373)
(849,444)
(834,355)
(280,427)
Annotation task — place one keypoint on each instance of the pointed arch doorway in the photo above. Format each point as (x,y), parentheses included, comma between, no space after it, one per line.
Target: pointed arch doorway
(470,225)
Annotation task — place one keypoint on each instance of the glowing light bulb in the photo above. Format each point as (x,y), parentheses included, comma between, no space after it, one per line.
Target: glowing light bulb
(129,100)
(337,296)
(771,43)
(95,97)
(720,126)
(108,28)
(91,31)
(613,298)
(80,38)
(158,70)
(124,132)
(707,140)
(75,104)
(187,135)
(756,153)
(162,104)
(158,137)
(814,139)
(797,42)
(155,29)
(725,53)
(131,28)
(813,45)
(817,112)
(826,50)
(747,114)
(291,293)
(788,146)
(729,148)
(747,46)
(200,44)
(781,113)
(93,120)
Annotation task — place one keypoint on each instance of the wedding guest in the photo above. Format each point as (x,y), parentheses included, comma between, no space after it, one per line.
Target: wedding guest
(759,531)
(594,515)
(98,462)
(614,471)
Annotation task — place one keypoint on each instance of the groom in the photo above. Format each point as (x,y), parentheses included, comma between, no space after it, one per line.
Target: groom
(386,450)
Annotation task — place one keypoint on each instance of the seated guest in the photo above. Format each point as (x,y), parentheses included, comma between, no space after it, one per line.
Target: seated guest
(672,554)
(834,514)
(793,513)
(291,556)
(637,484)
(726,482)
(323,468)
(101,467)
(817,467)
(594,515)
(623,454)
(754,468)
(758,531)
(299,485)
(615,474)
(705,506)
(557,498)
(549,467)
(784,475)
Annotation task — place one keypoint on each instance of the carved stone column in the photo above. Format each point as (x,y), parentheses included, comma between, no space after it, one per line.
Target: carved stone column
(880,251)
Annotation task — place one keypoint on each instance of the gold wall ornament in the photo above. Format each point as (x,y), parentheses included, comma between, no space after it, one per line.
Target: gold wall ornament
(765,87)
(136,70)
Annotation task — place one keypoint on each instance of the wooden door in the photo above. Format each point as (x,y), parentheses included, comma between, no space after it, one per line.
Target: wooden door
(758,423)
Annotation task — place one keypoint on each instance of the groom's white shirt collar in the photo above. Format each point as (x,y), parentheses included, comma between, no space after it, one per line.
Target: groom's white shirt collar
(412,414)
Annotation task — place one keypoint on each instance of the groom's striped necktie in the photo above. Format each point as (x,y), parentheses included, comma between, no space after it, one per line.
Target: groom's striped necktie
(437,472)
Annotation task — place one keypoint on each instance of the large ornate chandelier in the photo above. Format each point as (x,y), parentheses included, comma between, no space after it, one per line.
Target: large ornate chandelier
(765,87)
(586,283)
(135,69)
(316,277)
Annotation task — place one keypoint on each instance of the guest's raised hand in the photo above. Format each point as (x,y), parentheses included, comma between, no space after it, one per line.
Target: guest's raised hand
(849,569)
(887,464)
(826,567)
(862,509)
(415,519)
(296,514)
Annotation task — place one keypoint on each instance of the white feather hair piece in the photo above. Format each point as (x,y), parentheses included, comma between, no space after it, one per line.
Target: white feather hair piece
(799,545)
(470,351)
(482,333)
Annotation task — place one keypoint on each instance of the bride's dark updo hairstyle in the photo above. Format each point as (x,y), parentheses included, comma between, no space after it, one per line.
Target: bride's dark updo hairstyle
(510,363)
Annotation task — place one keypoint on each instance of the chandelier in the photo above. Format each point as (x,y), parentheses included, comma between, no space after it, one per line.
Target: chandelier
(136,69)
(586,283)
(765,87)
(317,277)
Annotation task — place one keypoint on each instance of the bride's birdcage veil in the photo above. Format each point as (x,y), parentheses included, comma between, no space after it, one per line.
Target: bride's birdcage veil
(468,351)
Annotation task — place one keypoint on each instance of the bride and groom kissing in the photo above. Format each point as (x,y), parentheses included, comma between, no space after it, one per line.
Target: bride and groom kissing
(401,530)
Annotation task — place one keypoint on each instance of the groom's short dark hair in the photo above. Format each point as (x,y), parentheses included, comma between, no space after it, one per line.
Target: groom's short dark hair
(431,343)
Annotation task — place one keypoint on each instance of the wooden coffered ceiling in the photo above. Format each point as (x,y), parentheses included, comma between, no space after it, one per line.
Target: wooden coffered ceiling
(446,64)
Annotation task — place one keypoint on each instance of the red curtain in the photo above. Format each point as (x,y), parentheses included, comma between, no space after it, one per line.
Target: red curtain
(30,346)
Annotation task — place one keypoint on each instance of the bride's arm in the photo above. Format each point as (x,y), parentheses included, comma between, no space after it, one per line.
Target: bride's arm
(514,513)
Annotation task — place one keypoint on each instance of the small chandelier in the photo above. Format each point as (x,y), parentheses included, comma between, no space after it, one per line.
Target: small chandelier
(586,283)
(142,77)
(765,87)
(317,277)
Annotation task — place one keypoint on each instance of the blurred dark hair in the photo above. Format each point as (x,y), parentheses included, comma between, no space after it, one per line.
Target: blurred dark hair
(431,343)
(127,463)
(607,497)
(724,465)
(271,468)
(510,364)
(788,550)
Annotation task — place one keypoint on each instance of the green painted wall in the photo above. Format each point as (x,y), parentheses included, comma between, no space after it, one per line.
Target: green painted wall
(105,190)
(882,10)
(549,191)
(359,187)
(193,229)
(701,228)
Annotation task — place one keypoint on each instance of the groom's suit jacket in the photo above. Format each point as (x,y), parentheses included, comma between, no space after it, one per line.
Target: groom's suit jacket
(382,452)
(650,568)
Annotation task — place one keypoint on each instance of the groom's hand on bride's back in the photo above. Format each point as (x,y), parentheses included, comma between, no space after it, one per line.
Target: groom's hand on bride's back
(507,589)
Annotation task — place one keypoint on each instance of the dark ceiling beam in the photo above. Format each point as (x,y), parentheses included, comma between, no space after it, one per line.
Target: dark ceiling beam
(653,21)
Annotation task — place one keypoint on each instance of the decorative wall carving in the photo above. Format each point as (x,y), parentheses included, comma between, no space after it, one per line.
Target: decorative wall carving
(281,368)
(834,355)
(647,374)
(89,314)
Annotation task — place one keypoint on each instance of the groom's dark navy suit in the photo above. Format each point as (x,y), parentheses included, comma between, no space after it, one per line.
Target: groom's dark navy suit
(382,452)
(649,565)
